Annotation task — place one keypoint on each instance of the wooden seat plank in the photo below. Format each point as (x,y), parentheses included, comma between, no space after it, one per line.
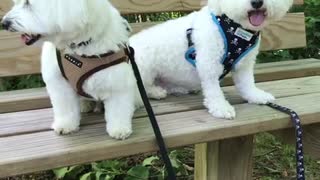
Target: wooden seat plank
(45,150)
(17,59)
(40,120)
(37,98)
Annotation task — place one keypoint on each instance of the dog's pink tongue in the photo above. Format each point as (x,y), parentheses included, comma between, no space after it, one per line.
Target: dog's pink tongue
(256,18)
(25,38)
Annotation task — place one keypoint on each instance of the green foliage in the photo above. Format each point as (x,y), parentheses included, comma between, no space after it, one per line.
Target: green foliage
(69,172)
(274,160)
(22,82)
(150,168)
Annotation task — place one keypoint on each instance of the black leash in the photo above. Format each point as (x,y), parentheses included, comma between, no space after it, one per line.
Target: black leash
(153,120)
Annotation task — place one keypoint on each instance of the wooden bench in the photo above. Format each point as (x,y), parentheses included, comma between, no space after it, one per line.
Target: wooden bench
(27,144)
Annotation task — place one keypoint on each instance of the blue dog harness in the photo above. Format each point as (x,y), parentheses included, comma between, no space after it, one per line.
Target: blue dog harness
(238,42)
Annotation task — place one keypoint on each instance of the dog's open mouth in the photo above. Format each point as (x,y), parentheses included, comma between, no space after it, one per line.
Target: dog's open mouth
(30,39)
(257,17)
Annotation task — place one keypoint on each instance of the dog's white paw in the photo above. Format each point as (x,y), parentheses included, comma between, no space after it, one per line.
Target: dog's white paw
(157,92)
(67,127)
(120,133)
(221,110)
(259,97)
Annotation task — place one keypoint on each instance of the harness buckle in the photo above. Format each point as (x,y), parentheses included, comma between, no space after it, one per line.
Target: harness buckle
(190,55)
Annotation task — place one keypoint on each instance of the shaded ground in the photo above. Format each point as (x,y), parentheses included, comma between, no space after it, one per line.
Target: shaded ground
(36,176)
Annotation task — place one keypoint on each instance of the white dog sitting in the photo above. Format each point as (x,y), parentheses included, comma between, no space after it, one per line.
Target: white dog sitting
(161,51)
(80,28)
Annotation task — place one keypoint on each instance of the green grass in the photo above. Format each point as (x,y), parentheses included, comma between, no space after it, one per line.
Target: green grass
(274,160)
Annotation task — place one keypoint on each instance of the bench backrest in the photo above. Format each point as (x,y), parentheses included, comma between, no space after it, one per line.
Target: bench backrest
(17,59)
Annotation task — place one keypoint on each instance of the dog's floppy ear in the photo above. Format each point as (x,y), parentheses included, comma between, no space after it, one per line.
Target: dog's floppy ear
(72,14)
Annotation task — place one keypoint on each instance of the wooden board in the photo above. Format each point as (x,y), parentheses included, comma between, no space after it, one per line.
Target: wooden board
(17,59)
(40,120)
(285,34)
(239,151)
(37,98)
(45,150)
(142,6)
(201,159)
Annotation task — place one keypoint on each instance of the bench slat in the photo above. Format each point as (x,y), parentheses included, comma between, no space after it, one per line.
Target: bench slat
(142,6)
(40,120)
(45,150)
(17,59)
(37,98)
(288,33)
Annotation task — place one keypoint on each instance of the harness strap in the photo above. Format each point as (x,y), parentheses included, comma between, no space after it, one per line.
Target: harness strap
(77,69)
(59,59)
(191,54)
(152,117)
(189,37)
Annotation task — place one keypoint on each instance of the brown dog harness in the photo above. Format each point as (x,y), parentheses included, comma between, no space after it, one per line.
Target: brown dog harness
(76,69)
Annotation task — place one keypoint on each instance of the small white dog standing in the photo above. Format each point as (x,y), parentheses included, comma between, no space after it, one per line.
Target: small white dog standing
(160,53)
(79,27)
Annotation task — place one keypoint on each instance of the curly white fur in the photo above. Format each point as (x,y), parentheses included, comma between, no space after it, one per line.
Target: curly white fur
(63,22)
(160,54)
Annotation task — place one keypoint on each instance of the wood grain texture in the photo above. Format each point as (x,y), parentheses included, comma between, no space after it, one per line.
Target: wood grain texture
(17,59)
(37,98)
(288,33)
(142,6)
(40,120)
(45,150)
(201,161)
(225,159)
(230,159)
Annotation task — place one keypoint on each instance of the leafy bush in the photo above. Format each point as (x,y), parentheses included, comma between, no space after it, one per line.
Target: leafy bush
(141,167)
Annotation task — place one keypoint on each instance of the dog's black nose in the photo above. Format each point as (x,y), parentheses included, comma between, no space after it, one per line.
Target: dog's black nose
(257,4)
(5,24)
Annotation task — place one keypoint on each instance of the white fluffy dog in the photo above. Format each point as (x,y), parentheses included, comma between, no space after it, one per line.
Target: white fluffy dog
(160,53)
(67,22)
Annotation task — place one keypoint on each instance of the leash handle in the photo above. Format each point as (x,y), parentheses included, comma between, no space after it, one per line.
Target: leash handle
(299,146)
(153,120)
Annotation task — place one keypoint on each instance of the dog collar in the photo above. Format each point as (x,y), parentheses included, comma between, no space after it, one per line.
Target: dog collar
(83,43)
(238,42)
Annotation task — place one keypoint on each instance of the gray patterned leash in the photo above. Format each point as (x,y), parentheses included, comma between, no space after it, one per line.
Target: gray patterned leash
(299,146)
